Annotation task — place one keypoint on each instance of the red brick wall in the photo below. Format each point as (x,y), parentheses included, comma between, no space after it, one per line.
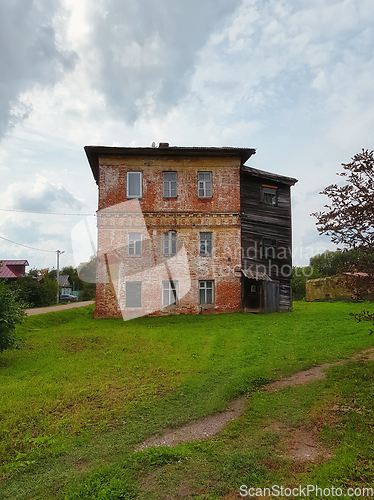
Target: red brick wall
(226,187)
(188,216)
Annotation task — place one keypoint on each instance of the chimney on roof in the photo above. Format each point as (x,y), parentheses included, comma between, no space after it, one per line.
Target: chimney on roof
(163,145)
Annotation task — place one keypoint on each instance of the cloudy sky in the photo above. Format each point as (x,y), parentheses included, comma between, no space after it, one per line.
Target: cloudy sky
(291,78)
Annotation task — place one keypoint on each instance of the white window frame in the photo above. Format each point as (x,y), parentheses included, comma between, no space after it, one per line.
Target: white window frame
(140,193)
(169,293)
(135,244)
(169,185)
(205,286)
(127,287)
(204,185)
(204,244)
(169,243)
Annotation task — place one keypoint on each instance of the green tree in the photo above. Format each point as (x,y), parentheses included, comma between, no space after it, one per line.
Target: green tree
(87,270)
(11,313)
(34,292)
(300,275)
(50,289)
(72,273)
(51,274)
(329,263)
(33,272)
(87,274)
(29,291)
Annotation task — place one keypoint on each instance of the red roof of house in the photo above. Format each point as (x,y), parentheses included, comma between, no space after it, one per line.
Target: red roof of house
(12,268)
(360,275)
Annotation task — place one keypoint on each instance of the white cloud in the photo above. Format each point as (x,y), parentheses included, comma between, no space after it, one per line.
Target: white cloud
(319,82)
(39,196)
(143,55)
(29,54)
(43,233)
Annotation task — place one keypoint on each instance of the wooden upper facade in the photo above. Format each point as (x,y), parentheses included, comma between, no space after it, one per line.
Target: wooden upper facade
(266,228)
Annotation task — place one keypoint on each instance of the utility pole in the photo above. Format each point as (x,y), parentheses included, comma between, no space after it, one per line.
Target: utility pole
(58,274)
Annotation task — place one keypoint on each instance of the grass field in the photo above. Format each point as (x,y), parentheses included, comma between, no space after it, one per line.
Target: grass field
(82,392)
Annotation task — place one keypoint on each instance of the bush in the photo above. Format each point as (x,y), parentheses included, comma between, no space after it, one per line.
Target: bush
(88,291)
(36,293)
(300,275)
(11,313)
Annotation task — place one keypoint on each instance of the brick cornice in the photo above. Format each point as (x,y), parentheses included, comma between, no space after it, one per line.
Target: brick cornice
(168,219)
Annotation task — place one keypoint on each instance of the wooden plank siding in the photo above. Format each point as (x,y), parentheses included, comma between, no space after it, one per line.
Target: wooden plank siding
(261,220)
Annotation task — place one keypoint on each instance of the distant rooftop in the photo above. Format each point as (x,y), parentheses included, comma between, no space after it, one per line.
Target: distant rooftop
(12,269)
(63,280)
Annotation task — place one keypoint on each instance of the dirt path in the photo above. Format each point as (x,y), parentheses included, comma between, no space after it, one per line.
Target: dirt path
(301,441)
(200,429)
(60,307)
(315,373)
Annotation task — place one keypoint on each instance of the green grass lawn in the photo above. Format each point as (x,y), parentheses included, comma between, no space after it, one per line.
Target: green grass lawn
(82,392)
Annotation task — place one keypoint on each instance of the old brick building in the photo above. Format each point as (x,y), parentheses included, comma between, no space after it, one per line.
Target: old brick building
(172,223)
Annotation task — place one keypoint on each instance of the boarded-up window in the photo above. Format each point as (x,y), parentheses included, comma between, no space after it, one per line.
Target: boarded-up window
(133,294)
(134,184)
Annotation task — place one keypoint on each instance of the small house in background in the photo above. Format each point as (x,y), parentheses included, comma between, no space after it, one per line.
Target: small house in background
(331,288)
(65,286)
(11,270)
(324,289)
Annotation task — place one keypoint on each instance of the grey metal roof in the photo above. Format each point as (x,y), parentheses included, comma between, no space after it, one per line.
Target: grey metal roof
(63,280)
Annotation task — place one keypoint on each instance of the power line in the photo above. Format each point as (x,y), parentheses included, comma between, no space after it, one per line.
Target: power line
(38,249)
(71,258)
(42,213)
(26,246)
(44,261)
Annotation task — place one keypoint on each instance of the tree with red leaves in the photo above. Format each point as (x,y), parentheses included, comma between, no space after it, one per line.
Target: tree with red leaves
(349,221)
